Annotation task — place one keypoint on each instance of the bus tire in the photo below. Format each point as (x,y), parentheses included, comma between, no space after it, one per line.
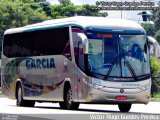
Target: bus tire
(68,101)
(19,98)
(124,107)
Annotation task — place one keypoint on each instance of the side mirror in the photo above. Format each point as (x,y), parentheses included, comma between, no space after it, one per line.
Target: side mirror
(84,42)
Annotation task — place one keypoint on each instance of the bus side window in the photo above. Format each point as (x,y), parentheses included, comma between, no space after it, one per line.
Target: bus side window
(80,56)
(10,45)
(78,49)
(67,51)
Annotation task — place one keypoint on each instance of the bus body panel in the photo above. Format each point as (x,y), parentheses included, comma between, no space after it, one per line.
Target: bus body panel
(42,77)
(8,84)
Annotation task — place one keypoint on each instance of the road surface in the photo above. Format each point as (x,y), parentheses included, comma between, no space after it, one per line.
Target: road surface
(48,111)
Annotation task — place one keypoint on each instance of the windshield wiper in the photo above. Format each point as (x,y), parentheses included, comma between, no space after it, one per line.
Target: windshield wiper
(110,69)
(129,67)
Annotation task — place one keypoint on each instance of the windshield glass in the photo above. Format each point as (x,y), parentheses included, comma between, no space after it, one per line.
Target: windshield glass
(103,53)
(111,55)
(134,54)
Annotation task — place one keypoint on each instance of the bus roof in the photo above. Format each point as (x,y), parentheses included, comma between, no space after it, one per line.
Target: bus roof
(82,21)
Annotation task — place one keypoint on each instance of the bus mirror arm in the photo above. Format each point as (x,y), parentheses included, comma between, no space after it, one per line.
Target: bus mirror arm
(84,39)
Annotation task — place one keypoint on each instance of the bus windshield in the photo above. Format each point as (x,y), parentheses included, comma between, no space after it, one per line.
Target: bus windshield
(113,55)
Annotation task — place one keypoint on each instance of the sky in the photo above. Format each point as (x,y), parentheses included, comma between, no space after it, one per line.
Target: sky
(131,15)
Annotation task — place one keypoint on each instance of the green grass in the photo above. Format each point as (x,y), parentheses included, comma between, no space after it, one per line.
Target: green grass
(157,95)
(0,93)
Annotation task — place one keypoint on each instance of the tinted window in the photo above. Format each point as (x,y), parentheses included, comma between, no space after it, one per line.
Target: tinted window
(67,51)
(35,43)
(77,45)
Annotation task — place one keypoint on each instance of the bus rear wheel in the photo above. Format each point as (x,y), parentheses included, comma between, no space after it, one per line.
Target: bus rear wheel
(124,107)
(20,101)
(68,101)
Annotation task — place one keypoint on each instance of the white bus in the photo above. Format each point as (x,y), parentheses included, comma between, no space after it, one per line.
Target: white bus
(92,60)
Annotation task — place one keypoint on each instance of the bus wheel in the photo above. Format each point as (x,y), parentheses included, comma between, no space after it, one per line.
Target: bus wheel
(20,101)
(68,103)
(124,107)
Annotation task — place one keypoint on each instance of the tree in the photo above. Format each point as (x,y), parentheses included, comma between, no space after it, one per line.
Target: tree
(65,2)
(149,28)
(155,73)
(40,1)
(44,6)
(17,13)
(103,14)
(87,10)
(24,1)
(156,18)
(59,11)
(157,36)
(157,23)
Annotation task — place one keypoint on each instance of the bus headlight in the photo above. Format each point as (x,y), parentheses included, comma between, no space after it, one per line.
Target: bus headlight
(84,81)
(96,83)
(96,86)
(146,87)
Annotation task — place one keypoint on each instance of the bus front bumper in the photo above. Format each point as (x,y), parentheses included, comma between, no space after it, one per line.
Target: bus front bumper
(117,95)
